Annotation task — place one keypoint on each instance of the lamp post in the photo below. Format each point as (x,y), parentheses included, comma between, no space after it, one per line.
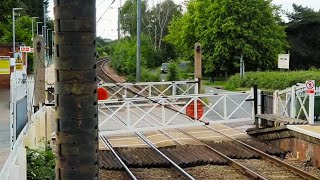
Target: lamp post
(38,27)
(43,32)
(13,29)
(52,46)
(47,44)
(32,27)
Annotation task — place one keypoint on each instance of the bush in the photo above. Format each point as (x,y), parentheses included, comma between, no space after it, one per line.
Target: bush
(150,75)
(271,80)
(40,164)
(173,72)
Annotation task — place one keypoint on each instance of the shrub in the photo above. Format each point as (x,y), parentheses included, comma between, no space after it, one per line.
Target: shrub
(150,75)
(173,72)
(40,164)
(272,79)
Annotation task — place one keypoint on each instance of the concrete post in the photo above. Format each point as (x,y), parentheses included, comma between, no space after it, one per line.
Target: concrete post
(311,108)
(39,72)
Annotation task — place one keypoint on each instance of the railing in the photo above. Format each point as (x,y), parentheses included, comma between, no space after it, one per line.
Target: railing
(16,165)
(294,102)
(150,89)
(38,128)
(141,114)
(20,90)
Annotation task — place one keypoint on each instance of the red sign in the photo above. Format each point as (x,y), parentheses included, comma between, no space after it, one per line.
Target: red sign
(25,49)
(310,87)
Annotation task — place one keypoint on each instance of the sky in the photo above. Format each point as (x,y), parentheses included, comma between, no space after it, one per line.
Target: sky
(107,27)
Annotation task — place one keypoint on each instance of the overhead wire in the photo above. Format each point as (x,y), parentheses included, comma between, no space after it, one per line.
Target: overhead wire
(106,11)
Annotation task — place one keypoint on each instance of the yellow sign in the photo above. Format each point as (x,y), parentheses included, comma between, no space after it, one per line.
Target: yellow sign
(19,66)
(4,65)
(18,60)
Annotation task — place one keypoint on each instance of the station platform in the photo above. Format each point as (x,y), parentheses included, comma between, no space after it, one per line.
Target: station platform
(310,130)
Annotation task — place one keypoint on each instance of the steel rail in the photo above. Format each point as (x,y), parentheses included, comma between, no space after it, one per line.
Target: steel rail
(266,156)
(238,165)
(108,144)
(148,142)
(177,167)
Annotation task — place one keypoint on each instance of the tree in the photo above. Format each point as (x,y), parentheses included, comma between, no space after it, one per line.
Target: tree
(124,55)
(228,29)
(303,36)
(158,19)
(23,30)
(128,17)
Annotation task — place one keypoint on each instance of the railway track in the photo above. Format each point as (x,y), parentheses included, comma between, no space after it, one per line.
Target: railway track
(268,167)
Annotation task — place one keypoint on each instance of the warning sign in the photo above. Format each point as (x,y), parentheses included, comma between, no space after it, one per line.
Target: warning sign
(310,87)
(4,65)
(19,62)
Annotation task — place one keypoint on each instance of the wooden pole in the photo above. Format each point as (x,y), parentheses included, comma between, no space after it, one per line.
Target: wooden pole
(198,63)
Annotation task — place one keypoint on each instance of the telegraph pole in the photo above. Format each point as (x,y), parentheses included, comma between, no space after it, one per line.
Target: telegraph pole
(138,40)
(76,90)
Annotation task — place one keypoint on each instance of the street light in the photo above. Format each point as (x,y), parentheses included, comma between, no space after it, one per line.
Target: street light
(43,32)
(38,27)
(47,43)
(13,29)
(32,27)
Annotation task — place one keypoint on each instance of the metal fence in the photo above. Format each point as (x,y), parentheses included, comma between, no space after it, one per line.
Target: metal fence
(21,93)
(294,102)
(150,89)
(141,114)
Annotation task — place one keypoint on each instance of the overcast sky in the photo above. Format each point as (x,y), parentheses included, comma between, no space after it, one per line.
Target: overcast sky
(107,27)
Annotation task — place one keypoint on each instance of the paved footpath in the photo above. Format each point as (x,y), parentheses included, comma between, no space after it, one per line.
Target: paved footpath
(4,124)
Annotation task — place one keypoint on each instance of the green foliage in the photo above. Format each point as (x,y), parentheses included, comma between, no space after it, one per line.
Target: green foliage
(23,33)
(123,55)
(150,76)
(303,37)
(271,80)
(40,164)
(128,17)
(103,47)
(173,72)
(228,29)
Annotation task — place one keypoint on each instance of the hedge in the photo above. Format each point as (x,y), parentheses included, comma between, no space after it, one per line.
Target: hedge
(271,80)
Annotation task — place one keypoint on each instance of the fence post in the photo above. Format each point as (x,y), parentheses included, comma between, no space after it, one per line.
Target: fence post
(128,113)
(275,102)
(196,88)
(163,113)
(293,102)
(174,89)
(225,114)
(311,108)
(150,90)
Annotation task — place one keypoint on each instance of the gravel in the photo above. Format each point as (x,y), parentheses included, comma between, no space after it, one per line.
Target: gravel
(208,172)
(215,172)
(292,160)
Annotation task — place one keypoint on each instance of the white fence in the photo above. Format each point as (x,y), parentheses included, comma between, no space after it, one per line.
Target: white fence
(20,89)
(37,129)
(295,103)
(144,114)
(150,89)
